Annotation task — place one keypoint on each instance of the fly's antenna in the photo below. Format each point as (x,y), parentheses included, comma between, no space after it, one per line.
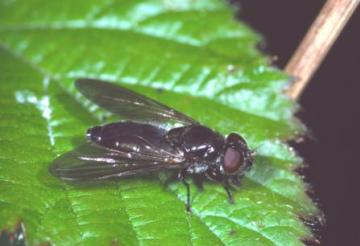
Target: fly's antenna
(254,151)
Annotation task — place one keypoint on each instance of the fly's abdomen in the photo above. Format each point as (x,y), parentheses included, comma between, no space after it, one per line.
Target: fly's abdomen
(125,134)
(134,140)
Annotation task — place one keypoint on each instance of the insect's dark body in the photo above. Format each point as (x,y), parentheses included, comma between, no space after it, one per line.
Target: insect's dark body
(142,145)
(196,146)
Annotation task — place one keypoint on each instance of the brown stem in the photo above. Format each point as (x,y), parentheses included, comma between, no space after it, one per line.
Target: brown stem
(317,42)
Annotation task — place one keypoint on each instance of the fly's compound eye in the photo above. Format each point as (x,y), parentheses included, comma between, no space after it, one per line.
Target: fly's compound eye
(237,156)
(232,160)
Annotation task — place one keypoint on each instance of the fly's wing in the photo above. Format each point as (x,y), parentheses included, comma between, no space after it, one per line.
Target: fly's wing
(91,162)
(136,141)
(128,104)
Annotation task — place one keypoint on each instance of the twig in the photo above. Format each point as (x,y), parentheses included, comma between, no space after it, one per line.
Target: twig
(317,42)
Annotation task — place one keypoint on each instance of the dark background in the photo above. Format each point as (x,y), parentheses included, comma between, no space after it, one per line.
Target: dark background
(330,108)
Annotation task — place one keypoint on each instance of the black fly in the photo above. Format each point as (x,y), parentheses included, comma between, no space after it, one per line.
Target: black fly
(141,144)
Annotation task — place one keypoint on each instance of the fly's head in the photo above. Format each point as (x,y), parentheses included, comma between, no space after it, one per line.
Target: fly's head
(237,156)
(235,159)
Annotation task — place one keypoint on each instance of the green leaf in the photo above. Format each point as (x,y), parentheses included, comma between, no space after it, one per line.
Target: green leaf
(191,55)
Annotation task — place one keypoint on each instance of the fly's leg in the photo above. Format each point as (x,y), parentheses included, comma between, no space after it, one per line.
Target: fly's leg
(182,174)
(236,181)
(229,194)
(227,188)
(222,180)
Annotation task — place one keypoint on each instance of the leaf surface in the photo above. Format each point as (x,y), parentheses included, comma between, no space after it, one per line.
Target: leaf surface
(191,55)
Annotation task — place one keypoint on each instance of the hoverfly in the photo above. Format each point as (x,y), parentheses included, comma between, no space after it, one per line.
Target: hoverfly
(142,144)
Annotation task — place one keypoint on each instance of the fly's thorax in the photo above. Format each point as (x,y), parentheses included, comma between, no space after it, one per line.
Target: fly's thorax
(198,168)
(197,142)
